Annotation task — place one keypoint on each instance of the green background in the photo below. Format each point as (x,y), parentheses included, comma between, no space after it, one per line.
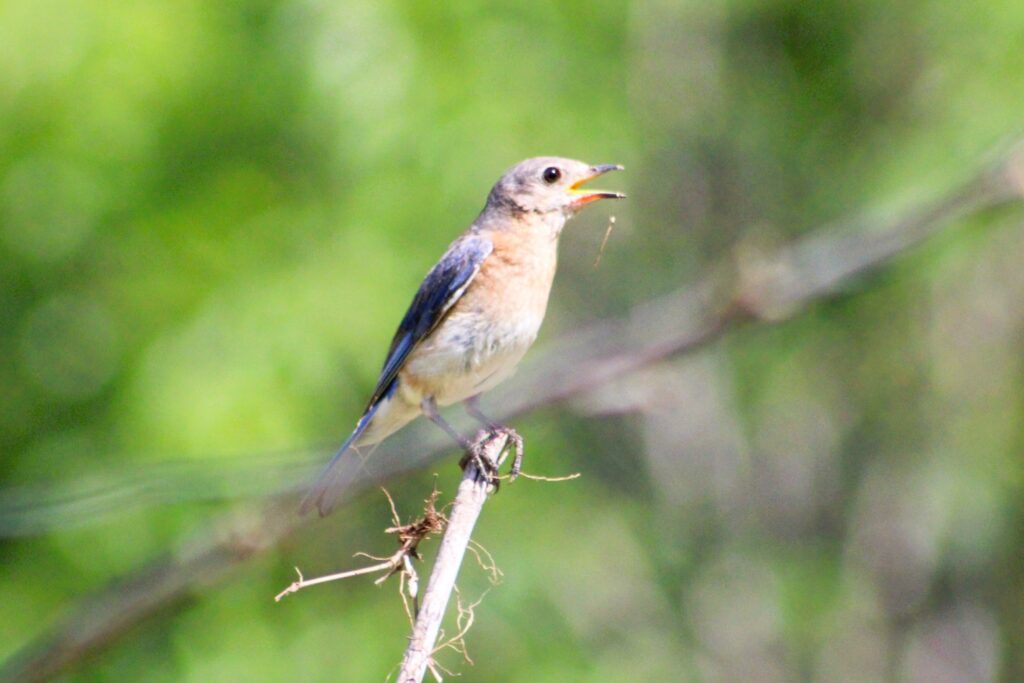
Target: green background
(213,214)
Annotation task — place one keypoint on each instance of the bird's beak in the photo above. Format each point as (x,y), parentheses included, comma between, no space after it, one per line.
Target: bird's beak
(582,197)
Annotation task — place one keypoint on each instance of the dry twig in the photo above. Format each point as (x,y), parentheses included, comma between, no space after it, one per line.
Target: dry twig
(539,477)
(464,618)
(409,537)
(469,502)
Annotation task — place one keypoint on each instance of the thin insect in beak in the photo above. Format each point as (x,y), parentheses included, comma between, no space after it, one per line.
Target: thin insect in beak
(604,242)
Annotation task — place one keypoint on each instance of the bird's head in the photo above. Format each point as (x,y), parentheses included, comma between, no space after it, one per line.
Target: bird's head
(549,186)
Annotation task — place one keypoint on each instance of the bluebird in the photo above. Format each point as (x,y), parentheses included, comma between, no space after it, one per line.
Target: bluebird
(478,310)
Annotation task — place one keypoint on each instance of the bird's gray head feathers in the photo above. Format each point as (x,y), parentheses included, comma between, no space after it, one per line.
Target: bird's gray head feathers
(548,185)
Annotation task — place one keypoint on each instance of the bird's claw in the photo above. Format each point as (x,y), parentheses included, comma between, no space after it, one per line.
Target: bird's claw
(484,466)
(517,453)
(487,467)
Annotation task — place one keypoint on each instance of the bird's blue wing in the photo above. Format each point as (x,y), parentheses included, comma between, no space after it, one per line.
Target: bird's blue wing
(442,287)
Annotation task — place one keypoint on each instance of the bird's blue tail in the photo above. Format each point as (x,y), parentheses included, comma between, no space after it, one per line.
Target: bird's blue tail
(324,493)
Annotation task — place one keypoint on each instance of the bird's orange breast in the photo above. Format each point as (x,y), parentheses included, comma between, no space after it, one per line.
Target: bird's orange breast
(489,329)
(515,280)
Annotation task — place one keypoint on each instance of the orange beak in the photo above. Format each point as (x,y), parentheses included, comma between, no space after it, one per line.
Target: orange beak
(582,197)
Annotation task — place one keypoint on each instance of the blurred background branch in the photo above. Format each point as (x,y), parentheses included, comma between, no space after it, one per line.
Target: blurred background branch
(759,286)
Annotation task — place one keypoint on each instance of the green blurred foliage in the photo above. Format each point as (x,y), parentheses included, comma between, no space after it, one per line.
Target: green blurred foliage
(212,216)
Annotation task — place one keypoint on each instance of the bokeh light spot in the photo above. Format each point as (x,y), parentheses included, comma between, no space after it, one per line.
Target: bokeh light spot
(69,347)
(48,207)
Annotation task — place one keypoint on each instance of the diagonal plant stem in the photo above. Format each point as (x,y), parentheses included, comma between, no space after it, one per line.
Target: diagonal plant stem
(767,288)
(469,502)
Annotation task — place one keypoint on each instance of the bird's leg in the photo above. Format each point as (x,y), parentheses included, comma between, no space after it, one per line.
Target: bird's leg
(472,406)
(472,448)
(429,408)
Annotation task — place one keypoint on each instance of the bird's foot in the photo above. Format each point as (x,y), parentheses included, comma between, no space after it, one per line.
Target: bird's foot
(517,452)
(475,454)
(484,465)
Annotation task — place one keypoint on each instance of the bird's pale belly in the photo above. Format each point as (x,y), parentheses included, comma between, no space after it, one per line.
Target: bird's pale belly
(466,356)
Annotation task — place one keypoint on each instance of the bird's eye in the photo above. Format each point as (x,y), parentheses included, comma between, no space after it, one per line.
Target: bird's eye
(551,174)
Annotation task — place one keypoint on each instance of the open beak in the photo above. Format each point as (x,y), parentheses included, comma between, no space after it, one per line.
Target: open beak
(582,197)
